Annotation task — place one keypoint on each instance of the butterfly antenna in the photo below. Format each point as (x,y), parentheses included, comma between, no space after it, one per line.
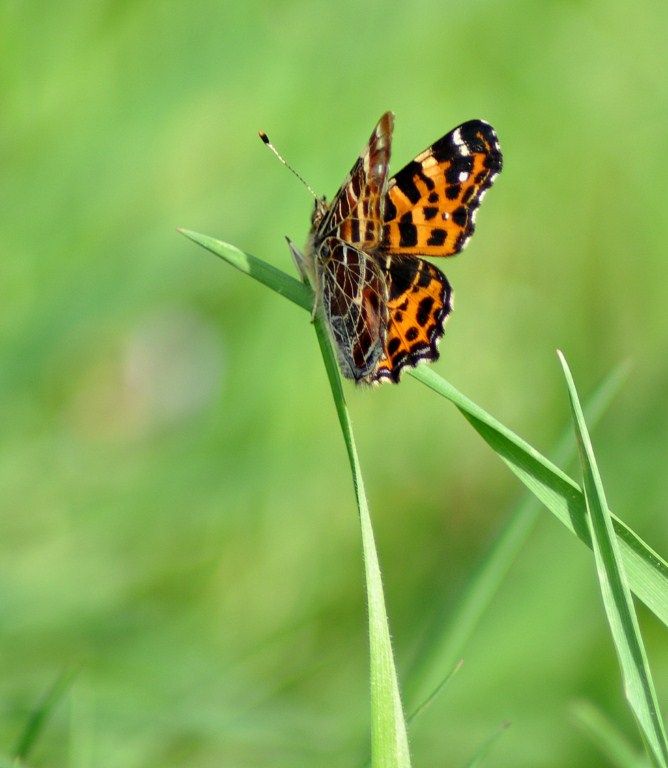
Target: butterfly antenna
(265,139)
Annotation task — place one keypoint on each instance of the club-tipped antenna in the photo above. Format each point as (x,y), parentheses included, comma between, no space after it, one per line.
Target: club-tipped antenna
(265,139)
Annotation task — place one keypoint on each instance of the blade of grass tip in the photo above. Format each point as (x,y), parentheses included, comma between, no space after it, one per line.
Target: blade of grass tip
(613,744)
(389,741)
(647,571)
(40,715)
(299,293)
(619,608)
(453,628)
(486,746)
(437,690)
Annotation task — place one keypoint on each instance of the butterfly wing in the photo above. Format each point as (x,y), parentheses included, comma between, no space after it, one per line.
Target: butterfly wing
(356,212)
(419,299)
(431,204)
(353,297)
(430,210)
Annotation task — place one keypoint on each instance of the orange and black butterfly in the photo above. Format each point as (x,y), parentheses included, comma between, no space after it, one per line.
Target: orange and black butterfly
(384,305)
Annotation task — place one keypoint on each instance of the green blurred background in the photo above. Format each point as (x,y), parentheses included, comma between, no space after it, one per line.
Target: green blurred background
(177,522)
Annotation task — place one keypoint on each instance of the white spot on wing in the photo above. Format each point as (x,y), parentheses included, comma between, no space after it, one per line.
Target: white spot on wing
(461,146)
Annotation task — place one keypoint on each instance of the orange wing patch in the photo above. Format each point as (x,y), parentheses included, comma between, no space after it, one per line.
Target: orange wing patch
(419,301)
(431,204)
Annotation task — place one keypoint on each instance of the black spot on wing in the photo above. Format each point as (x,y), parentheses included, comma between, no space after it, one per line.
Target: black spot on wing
(405,181)
(424,310)
(437,237)
(461,165)
(424,274)
(401,277)
(390,209)
(460,216)
(407,235)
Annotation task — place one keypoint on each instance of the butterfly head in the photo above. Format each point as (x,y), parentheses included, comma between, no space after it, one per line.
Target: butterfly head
(320,209)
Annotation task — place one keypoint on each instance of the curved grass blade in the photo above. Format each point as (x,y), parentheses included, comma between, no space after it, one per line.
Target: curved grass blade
(40,715)
(486,747)
(437,690)
(607,737)
(389,741)
(616,594)
(646,570)
(447,639)
(299,293)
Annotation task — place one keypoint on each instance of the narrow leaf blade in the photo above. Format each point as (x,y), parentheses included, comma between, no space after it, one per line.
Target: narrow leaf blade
(389,740)
(41,714)
(446,641)
(617,601)
(607,737)
(647,571)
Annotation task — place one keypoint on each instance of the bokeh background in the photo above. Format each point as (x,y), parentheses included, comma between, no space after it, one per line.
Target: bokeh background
(178,524)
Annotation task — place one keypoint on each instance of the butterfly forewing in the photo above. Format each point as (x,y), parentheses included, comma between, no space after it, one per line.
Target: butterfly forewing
(356,213)
(431,203)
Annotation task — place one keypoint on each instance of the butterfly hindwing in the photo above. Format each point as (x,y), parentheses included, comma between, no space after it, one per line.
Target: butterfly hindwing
(356,212)
(353,297)
(431,203)
(419,301)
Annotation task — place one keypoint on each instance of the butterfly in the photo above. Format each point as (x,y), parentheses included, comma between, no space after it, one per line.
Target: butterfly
(383,304)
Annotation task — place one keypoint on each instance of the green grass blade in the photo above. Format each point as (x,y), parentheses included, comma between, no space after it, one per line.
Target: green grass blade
(607,737)
(437,691)
(616,594)
(486,747)
(389,741)
(40,715)
(298,292)
(646,570)
(447,639)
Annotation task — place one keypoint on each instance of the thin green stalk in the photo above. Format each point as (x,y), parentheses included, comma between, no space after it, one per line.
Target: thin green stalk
(446,641)
(617,601)
(607,737)
(41,714)
(389,741)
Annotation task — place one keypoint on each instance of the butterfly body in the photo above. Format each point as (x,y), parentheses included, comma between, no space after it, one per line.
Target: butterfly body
(384,305)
